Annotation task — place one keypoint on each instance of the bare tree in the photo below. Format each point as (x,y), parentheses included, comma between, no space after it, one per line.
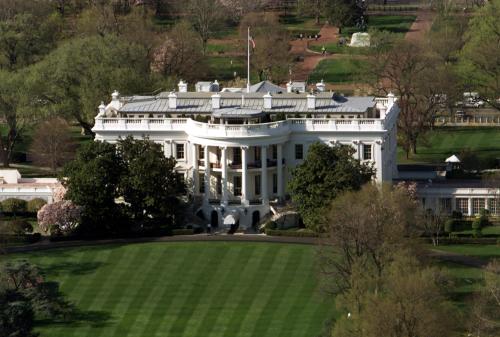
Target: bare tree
(52,144)
(432,224)
(312,8)
(206,16)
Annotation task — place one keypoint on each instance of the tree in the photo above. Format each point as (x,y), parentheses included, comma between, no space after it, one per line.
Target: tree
(326,172)
(343,13)
(420,80)
(92,181)
(433,224)
(206,16)
(79,74)
(60,217)
(479,64)
(16,315)
(52,144)
(271,56)
(365,228)
(150,187)
(15,111)
(409,301)
(180,54)
(312,8)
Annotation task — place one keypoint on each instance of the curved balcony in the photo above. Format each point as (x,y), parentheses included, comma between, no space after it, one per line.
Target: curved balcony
(221,131)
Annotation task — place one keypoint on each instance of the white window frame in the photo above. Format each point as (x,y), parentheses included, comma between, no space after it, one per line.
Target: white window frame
(183,152)
(367,146)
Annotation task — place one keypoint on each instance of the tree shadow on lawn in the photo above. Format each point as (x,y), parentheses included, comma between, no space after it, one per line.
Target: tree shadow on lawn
(73,268)
(78,318)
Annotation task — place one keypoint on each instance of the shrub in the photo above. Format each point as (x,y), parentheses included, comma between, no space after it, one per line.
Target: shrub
(456,215)
(449,226)
(183,231)
(34,205)
(271,225)
(16,227)
(59,217)
(14,205)
(307,233)
(480,222)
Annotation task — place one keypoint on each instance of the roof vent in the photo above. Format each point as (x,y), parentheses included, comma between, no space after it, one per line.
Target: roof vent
(311,102)
(172,100)
(182,86)
(215,101)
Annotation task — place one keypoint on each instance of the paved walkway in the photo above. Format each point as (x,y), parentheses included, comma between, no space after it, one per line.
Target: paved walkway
(420,26)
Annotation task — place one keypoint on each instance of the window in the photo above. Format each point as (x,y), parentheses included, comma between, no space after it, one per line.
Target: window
(299,151)
(237,185)
(179,151)
(494,206)
(367,151)
(201,181)
(477,205)
(236,155)
(462,205)
(274,150)
(445,205)
(201,152)
(257,184)
(219,185)
(275,183)
(257,153)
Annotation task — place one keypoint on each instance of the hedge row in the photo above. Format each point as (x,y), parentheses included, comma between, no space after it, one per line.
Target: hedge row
(20,206)
(21,238)
(183,231)
(469,240)
(301,234)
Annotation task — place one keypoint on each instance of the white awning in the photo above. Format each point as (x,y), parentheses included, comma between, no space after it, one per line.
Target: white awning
(231,219)
(452,159)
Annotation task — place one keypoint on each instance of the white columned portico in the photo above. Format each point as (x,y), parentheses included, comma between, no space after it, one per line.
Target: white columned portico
(207,176)
(196,176)
(224,175)
(279,166)
(263,179)
(244,176)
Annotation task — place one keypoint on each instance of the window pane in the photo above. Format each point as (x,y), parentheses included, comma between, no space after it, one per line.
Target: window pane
(477,205)
(179,151)
(257,184)
(237,185)
(299,151)
(367,151)
(462,205)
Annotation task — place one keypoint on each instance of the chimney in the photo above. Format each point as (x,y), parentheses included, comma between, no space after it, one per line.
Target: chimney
(102,110)
(183,87)
(215,101)
(289,87)
(390,99)
(311,102)
(320,86)
(383,111)
(172,100)
(268,101)
(115,100)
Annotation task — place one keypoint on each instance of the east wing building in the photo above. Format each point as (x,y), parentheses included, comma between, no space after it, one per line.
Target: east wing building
(237,149)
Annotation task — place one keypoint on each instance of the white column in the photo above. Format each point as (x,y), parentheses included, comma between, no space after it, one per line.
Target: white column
(470,207)
(224,175)
(207,176)
(377,157)
(279,166)
(244,177)
(263,176)
(486,204)
(196,176)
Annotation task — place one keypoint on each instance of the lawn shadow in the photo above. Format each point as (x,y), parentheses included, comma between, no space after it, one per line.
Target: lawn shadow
(72,268)
(78,318)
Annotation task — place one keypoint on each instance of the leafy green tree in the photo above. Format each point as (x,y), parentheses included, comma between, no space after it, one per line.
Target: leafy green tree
(150,187)
(75,77)
(326,172)
(92,181)
(16,315)
(343,13)
(479,64)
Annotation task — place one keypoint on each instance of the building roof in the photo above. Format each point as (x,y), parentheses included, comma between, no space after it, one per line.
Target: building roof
(237,112)
(265,87)
(201,102)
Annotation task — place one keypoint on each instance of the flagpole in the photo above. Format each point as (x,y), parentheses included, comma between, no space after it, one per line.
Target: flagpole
(248,60)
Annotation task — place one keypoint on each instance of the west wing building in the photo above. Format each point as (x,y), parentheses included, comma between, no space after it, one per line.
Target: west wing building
(237,149)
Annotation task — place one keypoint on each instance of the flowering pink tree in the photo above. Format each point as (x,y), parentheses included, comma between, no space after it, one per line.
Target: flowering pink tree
(58,193)
(61,216)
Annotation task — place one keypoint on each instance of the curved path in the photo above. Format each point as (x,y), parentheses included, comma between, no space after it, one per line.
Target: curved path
(465,260)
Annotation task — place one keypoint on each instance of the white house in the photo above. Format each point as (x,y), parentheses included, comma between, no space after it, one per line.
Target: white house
(234,151)
(12,185)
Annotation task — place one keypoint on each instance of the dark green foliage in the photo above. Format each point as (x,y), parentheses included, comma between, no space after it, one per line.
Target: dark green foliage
(301,234)
(271,225)
(92,180)
(34,205)
(15,227)
(16,315)
(326,172)
(480,222)
(81,72)
(14,205)
(449,225)
(150,186)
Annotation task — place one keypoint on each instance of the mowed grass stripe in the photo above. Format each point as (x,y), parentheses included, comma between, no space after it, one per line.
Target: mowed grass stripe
(174,294)
(277,294)
(217,295)
(249,297)
(136,287)
(239,282)
(201,285)
(135,317)
(114,290)
(154,310)
(263,290)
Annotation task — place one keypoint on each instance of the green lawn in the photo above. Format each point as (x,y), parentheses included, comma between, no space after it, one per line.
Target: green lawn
(335,48)
(398,24)
(441,143)
(296,25)
(480,251)
(188,289)
(336,71)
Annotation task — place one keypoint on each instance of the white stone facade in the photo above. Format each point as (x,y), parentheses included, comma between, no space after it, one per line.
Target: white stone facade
(236,160)
(12,185)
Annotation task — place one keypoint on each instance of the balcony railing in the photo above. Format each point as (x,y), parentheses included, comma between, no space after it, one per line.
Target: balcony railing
(206,130)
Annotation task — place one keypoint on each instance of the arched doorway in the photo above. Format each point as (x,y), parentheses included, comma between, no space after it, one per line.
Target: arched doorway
(255,219)
(214,219)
